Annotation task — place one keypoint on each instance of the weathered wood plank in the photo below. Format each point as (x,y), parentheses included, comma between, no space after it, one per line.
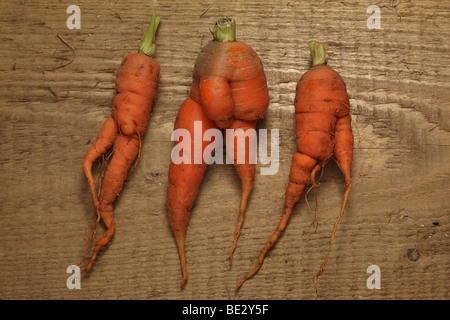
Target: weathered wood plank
(397,78)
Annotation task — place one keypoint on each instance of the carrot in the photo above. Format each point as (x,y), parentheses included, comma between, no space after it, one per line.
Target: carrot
(323,129)
(185,178)
(136,84)
(229,91)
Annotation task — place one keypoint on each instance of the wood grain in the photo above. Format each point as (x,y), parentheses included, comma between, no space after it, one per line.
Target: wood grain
(398,81)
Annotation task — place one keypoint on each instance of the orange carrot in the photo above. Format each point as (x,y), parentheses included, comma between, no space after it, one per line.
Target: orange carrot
(136,84)
(229,91)
(185,178)
(323,129)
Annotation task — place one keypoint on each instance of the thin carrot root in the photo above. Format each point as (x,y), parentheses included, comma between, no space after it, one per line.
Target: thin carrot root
(269,244)
(315,223)
(333,233)
(314,184)
(247,183)
(104,240)
(182,253)
(246,170)
(237,231)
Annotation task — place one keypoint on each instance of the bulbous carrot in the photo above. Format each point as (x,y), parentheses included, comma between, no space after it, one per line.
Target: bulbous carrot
(136,85)
(229,91)
(323,129)
(229,79)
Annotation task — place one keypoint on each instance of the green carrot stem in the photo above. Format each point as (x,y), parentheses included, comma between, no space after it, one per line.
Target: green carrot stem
(224,30)
(147,46)
(318,54)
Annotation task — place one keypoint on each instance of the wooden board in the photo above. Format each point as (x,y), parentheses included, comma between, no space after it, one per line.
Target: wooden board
(51,112)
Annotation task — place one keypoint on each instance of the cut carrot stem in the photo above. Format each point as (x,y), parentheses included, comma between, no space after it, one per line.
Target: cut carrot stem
(147,46)
(318,54)
(225,30)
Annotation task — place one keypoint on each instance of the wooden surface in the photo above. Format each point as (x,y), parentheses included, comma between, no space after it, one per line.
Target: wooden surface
(398,81)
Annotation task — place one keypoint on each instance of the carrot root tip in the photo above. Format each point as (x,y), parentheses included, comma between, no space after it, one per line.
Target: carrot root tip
(183,282)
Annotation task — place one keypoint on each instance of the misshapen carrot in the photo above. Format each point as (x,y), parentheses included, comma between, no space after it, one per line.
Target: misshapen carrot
(229,91)
(136,84)
(323,129)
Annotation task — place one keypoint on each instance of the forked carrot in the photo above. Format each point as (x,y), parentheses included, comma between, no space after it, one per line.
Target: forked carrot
(229,91)
(136,84)
(323,129)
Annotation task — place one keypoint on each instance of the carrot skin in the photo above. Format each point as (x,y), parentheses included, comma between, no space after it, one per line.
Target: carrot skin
(344,145)
(239,65)
(104,141)
(136,83)
(301,167)
(216,100)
